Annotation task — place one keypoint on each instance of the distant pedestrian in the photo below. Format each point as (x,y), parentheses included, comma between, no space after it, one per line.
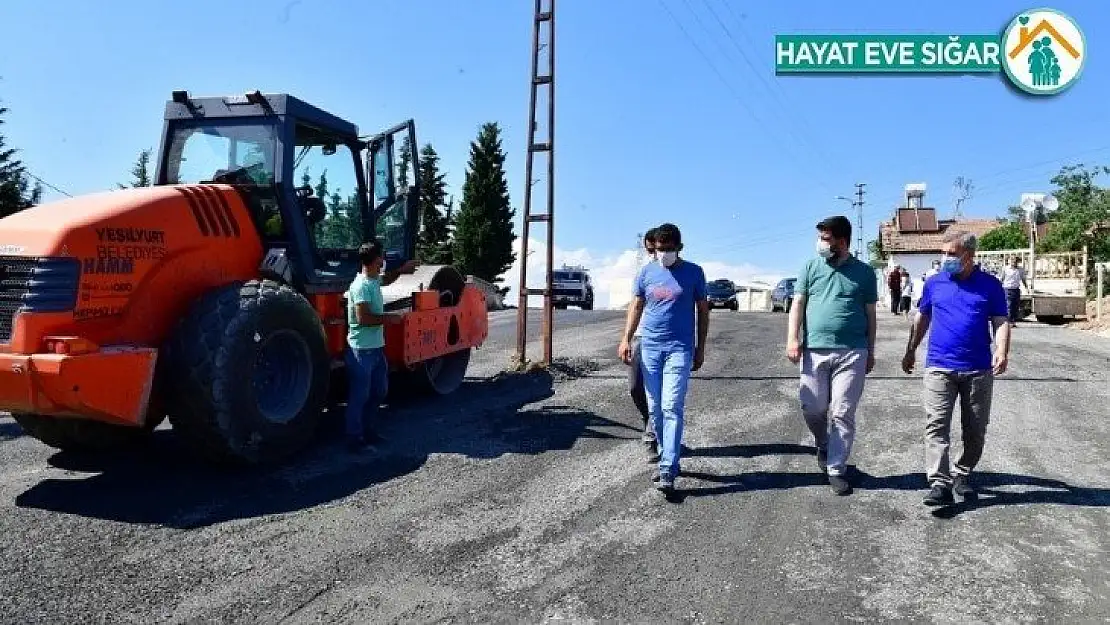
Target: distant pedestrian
(894,285)
(907,292)
(961,305)
(1013,278)
(934,269)
(669,295)
(834,301)
(636,375)
(367,369)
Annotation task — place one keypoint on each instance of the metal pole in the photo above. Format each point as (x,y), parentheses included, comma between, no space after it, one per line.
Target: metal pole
(522,311)
(548,305)
(1032,252)
(1098,291)
(859,217)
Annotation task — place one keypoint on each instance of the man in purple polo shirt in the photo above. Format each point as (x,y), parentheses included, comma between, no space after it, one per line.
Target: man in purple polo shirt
(961,304)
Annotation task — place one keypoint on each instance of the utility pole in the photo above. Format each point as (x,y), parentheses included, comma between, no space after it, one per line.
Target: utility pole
(859,216)
(543,38)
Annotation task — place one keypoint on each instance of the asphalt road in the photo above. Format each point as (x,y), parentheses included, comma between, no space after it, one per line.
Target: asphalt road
(524,499)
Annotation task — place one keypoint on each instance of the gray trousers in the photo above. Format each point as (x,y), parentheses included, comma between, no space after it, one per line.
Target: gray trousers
(974,389)
(830,389)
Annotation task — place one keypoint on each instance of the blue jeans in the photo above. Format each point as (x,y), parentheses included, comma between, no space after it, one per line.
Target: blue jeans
(666,377)
(368,383)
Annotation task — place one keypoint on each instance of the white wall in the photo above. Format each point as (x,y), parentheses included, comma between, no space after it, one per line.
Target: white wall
(916,263)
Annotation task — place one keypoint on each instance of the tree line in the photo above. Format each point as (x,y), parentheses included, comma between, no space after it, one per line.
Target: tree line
(18,190)
(1082,219)
(477,237)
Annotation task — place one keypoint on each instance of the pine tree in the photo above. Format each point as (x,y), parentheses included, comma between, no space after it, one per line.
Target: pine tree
(140,171)
(434,244)
(484,234)
(16,191)
(404,162)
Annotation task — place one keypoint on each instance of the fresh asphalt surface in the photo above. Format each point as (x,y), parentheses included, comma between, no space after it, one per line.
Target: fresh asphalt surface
(528,499)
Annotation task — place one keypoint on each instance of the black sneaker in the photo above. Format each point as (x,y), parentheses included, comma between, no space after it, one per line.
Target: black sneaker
(840,485)
(651,451)
(373,439)
(962,487)
(357,445)
(822,459)
(939,495)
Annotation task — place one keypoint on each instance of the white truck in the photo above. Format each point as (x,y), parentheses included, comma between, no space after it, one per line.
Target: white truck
(1056,283)
(571,286)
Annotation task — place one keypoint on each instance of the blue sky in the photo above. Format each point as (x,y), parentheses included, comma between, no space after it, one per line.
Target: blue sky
(647,131)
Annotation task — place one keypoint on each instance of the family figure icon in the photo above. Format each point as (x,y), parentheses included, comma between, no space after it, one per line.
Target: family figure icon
(1044,67)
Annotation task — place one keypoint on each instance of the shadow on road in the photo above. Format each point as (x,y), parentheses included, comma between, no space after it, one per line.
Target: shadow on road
(163,484)
(794,377)
(748,451)
(1040,490)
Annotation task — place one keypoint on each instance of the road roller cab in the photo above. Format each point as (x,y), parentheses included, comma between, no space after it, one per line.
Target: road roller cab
(216,298)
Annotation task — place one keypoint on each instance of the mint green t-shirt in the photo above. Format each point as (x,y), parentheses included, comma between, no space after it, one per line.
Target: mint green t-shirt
(368,290)
(836,302)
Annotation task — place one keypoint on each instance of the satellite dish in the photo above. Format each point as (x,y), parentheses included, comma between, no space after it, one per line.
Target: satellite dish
(1028,204)
(1050,203)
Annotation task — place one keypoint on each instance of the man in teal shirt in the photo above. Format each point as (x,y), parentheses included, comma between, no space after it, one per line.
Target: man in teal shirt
(367,370)
(834,301)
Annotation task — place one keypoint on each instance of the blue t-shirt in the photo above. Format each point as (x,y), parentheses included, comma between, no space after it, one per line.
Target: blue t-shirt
(961,311)
(669,297)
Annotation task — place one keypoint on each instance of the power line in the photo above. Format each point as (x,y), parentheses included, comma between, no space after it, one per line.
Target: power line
(1005,172)
(46,184)
(777,94)
(743,103)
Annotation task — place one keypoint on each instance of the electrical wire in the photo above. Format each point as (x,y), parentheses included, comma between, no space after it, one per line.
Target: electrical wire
(728,85)
(46,184)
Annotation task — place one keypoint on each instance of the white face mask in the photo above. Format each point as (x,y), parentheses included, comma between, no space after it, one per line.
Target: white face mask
(668,258)
(824,249)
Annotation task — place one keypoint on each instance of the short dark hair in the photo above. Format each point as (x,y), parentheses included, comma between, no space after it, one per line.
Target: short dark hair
(649,237)
(839,226)
(369,252)
(669,233)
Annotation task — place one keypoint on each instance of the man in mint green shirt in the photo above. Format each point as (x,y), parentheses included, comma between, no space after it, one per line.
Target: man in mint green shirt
(367,369)
(834,301)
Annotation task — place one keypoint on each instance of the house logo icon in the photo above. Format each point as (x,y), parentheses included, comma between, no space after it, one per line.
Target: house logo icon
(1043,51)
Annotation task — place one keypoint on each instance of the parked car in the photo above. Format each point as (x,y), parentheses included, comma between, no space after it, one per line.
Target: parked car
(722,294)
(783,295)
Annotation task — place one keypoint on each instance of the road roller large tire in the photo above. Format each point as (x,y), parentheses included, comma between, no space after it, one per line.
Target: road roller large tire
(250,374)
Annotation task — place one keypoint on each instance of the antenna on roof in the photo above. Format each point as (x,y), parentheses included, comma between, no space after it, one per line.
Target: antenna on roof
(963,188)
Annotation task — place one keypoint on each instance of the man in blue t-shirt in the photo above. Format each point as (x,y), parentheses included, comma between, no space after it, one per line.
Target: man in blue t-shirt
(961,304)
(666,295)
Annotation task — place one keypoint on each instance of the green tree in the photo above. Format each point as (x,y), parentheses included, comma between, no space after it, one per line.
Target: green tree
(875,251)
(1009,236)
(404,163)
(1084,206)
(484,235)
(140,171)
(16,190)
(434,244)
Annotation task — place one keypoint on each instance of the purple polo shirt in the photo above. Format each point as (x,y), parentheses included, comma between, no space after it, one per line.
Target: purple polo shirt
(961,311)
